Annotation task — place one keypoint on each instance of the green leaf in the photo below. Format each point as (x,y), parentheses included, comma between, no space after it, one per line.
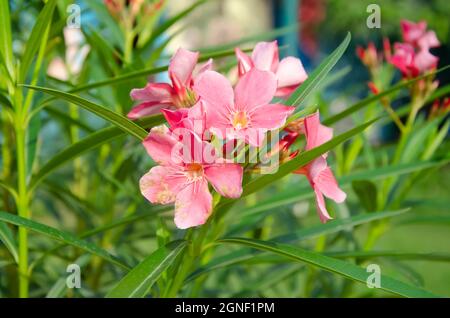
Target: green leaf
(319,74)
(334,226)
(364,255)
(371,99)
(90,142)
(7,237)
(367,194)
(330,264)
(118,120)
(9,188)
(35,40)
(61,236)
(5,37)
(141,278)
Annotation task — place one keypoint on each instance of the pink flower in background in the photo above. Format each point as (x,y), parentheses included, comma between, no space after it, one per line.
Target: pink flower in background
(156,96)
(403,59)
(183,173)
(246,112)
(413,57)
(417,35)
(318,173)
(289,72)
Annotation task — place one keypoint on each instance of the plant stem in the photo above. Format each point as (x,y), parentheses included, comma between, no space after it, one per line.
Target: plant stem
(22,206)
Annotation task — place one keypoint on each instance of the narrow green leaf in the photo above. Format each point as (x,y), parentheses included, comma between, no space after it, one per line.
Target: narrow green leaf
(371,99)
(363,255)
(337,266)
(5,37)
(61,236)
(319,74)
(367,194)
(8,187)
(90,142)
(335,226)
(141,278)
(7,237)
(118,120)
(43,21)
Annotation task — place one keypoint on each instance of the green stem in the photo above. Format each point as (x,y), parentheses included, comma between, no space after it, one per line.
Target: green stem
(22,207)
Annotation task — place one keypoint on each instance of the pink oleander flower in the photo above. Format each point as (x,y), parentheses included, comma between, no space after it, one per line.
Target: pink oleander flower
(318,173)
(289,72)
(417,35)
(182,176)
(410,63)
(246,112)
(179,94)
(413,57)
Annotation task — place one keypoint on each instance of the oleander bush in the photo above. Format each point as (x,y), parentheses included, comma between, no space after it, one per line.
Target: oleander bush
(129,170)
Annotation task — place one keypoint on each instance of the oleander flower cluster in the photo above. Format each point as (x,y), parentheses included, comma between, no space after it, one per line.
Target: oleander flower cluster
(206,113)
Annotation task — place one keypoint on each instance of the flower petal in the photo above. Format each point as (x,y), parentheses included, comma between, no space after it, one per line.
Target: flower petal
(412,31)
(290,72)
(265,56)
(326,183)
(428,40)
(217,93)
(226,179)
(321,207)
(316,133)
(182,65)
(146,109)
(245,63)
(161,184)
(425,61)
(153,92)
(161,146)
(193,205)
(255,88)
(270,116)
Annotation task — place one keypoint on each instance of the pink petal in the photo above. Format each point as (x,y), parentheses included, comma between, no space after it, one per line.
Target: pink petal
(253,136)
(205,67)
(265,56)
(182,65)
(245,63)
(226,179)
(270,116)
(321,207)
(290,72)
(160,145)
(425,61)
(217,93)
(175,117)
(316,133)
(428,40)
(254,89)
(412,31)
(326,183)
(161,184)
(153,92)
(193,205)
(146,109)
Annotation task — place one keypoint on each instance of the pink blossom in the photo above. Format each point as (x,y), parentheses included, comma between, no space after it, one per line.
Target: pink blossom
(411,63)
(156,96)
(246,112)
(289,72)
(182,176)
(417,35)
(318,173)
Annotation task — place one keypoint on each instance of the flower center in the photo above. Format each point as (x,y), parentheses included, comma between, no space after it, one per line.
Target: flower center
(194,171)
(239,120)
(185,99)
